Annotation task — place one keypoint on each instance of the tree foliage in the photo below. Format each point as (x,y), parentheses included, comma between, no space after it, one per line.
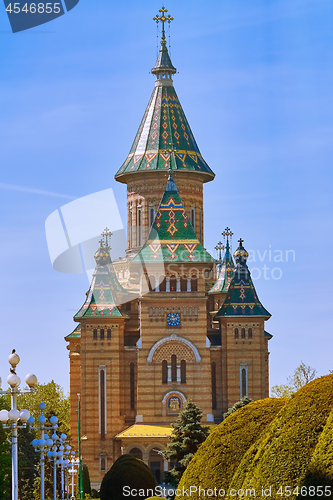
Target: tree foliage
(302,375)
(243,402)
(186,437)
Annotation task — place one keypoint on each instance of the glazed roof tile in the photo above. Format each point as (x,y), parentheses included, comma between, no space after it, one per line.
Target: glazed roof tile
(172,237)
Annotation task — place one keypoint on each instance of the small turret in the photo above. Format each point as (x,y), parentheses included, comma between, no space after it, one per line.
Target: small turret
(242,299)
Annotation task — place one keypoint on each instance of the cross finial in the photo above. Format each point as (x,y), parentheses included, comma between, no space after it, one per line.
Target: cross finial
(227,233)
(105,236)
(240,241)
(219,247)
(163,18)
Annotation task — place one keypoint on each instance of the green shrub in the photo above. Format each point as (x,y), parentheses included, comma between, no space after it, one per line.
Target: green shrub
(219,456)
(285,452)
(287,444)
(129,472)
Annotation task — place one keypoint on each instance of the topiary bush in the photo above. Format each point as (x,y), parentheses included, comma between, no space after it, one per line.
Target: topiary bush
(219,456)
(284,445)
(126,474)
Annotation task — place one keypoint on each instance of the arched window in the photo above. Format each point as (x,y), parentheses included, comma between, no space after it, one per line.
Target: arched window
(132,386)
(194,284)
(108,333)
(95,333)
(183,284)
(249,333)
(183,371)
(136,452)
(163,285)
(102,462)
(164,372)
(173,283)
(214,385)
(102,334)
(236,333)
(152,283)
(243,333)
(173,368)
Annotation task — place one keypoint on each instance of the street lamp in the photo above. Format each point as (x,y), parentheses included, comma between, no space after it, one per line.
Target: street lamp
(74,463)
(58,460)
(43,443)
(13,415)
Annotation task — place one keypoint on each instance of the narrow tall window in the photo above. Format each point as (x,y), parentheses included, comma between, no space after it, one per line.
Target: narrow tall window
(108,333)
(249,333)
(95,333)
(236,333)
(243,333)
(173,368)
(151,214)
(132,386)
(243,381)
(130,229)
(183,371)
(164,372)
(102,402)
(200,225)
(193,217)
(194,284)
(139,227)
(102,462)
(102,334)
(173,283)
(214,386)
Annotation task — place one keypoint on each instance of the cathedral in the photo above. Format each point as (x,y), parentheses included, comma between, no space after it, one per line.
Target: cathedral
(168,322)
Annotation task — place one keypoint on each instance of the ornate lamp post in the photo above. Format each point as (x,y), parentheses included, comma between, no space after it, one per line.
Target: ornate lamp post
(74,463)
(58,460)
(44,443)
(13,415)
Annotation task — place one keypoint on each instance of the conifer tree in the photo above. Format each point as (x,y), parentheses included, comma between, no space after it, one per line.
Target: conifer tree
(186,437)
(243,402)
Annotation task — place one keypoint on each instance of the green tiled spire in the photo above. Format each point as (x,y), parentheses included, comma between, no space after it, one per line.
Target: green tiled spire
(105,293)
(164,138)
(172,237)
(242,299)
(225,272)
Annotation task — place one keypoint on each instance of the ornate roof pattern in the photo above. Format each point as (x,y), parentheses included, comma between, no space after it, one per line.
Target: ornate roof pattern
(242,299)
(76,333)
(172,237)
(225,272)
(105,291)
(164,138)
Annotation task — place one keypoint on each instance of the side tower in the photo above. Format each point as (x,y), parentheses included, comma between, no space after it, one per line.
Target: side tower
(164,140)
(244,339)
(97,366)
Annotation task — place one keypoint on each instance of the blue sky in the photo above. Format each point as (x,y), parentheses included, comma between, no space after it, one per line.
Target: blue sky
(256,83)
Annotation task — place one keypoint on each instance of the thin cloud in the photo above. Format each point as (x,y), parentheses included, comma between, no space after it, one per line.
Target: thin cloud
(12,187)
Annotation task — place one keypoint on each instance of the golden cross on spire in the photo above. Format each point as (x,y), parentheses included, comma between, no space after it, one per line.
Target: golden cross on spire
(106,234)
(226,233)
(219,247)
(163,18)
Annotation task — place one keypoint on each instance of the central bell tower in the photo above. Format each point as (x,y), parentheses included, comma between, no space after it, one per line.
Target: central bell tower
(163,141)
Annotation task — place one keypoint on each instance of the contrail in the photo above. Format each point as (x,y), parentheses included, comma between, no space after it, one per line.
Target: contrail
(13,187)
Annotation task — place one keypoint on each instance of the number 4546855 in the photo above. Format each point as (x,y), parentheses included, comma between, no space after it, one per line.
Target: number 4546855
(48,8)
(311,491)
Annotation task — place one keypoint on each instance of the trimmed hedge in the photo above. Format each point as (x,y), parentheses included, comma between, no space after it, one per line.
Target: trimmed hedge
(260,447)
(217,459)
(131,472)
